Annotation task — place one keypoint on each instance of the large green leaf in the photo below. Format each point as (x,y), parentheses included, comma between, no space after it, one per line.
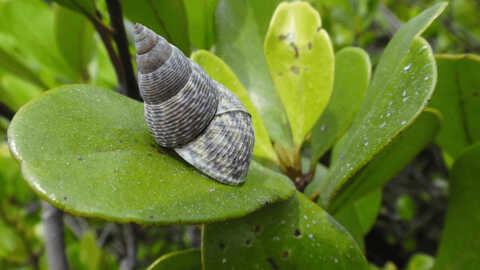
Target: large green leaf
(352,77)
(86,7)
(392,159)
(88,151)
(240,31)
(359,216)
(15,92)
(402,84)
(457,97)
(189,259)
(294,234)
(31,24)
(168,18)
(13,64)
(301,62)
(74,35)
(201,16)
(459,245)
(219,71)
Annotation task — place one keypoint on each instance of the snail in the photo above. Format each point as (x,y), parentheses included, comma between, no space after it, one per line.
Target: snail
(185,109)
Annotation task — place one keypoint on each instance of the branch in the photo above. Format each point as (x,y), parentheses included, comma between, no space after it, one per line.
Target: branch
(130,261)
(53,233)
(120,37)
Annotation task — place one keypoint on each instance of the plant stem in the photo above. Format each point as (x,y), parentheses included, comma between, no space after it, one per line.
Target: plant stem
(130,261)
(120,37)
(53,233)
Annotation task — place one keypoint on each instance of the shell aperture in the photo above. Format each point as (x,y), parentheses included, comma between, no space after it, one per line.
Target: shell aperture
(185,109)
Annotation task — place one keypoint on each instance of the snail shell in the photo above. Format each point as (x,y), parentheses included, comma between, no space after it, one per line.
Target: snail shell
(185,109)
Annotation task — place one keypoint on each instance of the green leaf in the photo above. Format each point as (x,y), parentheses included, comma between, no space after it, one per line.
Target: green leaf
(301,62)
(406,208)
(294,234)
(320,174)
(421,262)
(79,142)
(167,18)
(219,71)
(403,82)
(457,97)
(358,217)
(12,63)
(391,159)
(86,7)
(74,36)
(240,31)
(15,92)
(201,16)
(31,24)
(459,244)
(189,259)
(90,254)
(352,77)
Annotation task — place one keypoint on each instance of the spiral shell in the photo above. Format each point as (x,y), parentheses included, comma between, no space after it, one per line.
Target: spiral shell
(185,109)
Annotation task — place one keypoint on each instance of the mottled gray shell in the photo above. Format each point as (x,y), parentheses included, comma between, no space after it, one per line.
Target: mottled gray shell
(185,109)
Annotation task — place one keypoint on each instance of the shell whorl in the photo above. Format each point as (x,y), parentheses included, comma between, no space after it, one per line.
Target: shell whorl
(187,110)
(180,99)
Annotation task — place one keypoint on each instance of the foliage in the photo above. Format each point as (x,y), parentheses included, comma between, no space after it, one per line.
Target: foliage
(329,135)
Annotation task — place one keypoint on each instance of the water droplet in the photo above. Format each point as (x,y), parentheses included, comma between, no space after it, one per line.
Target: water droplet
(323,128)
(390,103)
(276,238)
(335,260)
(366,143)
(383,124)
(404,99)
(305,217)
(404,93)
(224,260)
(310,236)
(404,122)
(388,114)
(426,78)
(407,67)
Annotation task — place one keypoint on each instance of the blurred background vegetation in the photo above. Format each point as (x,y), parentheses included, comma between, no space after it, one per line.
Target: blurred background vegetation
(44,45)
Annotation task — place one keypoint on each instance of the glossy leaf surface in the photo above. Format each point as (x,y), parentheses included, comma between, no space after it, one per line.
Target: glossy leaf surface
(459,245)
(294,234)
(301,63)
(190,259)
(88,151)
(167,18)
(457,97)
(391,159)
(219,71)
(403,82)
(352,77)
(240,28)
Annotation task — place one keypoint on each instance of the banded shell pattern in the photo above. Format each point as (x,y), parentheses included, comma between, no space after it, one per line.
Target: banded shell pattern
(185,109)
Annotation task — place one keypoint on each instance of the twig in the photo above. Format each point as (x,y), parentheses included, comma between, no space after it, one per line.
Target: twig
(120,37)
(53,233)
(130,260)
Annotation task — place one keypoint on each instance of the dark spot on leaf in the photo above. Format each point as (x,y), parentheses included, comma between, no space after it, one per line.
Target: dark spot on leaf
(80,158)
(285,254)
(476,94)
(151,217)
(221,246)
(272,263)
(257,228)
(248,243)
(280,74)
(295,69)
(309,46)
(153,145)
(282,37)
(297,233)
(319,28)
(65,198)
(149,154)
(295,49)
(428,101)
